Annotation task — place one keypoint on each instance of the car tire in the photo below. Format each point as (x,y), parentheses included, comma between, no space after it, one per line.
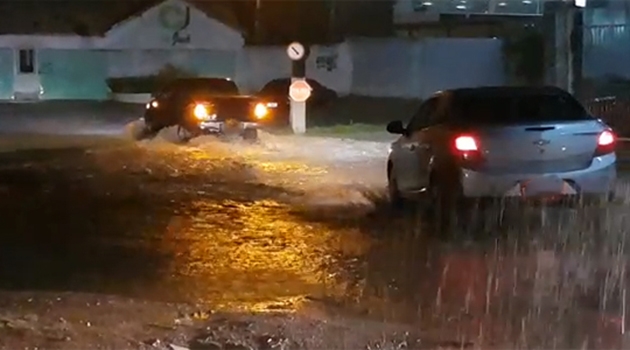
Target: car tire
(141,133)
(445,209)
(183,135)
(250,134)
(396,200)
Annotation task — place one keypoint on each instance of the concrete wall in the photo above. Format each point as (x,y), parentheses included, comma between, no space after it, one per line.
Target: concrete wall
(143,45)
(73,74)
(330,65)
(149,32)
(390,67)
(214,63)
(76,67)
(6,73)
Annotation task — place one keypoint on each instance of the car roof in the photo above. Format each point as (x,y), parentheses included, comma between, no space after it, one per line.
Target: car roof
(288,80)
(200,80)
(488,91)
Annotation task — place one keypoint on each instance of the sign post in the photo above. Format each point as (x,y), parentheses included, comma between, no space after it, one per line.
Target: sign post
(299,91)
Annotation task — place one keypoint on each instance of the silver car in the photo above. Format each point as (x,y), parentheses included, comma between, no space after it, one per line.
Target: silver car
(497,142)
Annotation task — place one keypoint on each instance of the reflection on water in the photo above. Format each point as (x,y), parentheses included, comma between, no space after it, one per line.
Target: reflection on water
(536,282)
(185,224)
(240,254)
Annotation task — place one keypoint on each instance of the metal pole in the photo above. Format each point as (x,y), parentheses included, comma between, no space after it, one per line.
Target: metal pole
(568,47)
(331,19)
(257,22)
(298,113)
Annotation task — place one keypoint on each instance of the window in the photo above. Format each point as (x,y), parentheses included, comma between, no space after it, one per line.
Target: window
(214,86)
(422,118)
(515,109)
(27,61)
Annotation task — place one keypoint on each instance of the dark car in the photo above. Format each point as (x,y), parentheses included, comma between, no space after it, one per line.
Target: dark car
(277,91)
(201,106)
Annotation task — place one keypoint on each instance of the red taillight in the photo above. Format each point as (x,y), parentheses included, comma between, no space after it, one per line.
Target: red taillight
(466,143)
(606,143)
(606,138)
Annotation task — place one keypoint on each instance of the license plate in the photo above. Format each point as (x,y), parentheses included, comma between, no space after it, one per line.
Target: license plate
(231,123)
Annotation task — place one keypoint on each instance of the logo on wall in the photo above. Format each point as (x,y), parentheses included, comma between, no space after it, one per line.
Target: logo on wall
(177,19)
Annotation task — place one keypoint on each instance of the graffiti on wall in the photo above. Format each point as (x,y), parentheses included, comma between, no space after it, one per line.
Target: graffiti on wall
(327,61)
(177,19)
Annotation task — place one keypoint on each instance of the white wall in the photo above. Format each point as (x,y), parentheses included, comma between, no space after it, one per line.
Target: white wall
(147,32)
(258,65)
(133,63)
(48,41)
(392,67)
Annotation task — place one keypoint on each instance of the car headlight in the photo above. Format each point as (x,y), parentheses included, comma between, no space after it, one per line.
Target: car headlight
(201,112)
(261,111)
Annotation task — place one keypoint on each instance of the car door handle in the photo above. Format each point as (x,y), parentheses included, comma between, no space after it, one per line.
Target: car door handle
(410,146)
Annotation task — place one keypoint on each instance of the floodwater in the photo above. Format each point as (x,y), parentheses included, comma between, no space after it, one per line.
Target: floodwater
(291,223)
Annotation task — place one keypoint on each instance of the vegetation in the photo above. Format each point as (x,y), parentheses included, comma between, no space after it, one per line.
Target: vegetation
(147,84)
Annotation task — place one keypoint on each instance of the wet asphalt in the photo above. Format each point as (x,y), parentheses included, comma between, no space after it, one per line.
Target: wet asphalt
(253,227)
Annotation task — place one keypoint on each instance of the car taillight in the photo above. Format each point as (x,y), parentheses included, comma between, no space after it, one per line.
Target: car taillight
(466,143)
(466,150)
(606,142)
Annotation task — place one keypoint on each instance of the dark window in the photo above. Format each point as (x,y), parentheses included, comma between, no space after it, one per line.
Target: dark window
(423,116)
(27,61)
(207,86)
(516,109)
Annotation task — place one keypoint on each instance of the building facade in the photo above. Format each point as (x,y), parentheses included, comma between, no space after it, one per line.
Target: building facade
(67,65)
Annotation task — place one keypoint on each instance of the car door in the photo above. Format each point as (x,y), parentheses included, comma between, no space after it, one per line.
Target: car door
(431,139)
(410,149)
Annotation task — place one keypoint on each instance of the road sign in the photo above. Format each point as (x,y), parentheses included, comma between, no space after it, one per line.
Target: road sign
(299,91)
(295,51)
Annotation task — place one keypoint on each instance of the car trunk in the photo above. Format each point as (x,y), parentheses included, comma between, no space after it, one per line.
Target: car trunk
(536,148)
(530,132)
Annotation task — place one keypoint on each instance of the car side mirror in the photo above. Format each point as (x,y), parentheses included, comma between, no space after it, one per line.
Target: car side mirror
(396,127)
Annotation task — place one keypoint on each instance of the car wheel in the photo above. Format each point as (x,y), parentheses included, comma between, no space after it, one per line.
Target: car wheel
(445,209)
(250,134)
(395,198)
(183,135)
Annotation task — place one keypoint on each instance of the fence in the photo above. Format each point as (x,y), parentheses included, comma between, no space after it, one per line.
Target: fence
(615,111)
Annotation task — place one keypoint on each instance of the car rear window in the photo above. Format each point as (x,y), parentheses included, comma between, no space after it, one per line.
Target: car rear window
(514,109)
(209,86)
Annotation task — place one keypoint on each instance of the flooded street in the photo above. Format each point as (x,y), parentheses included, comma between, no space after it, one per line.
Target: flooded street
(295,225)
